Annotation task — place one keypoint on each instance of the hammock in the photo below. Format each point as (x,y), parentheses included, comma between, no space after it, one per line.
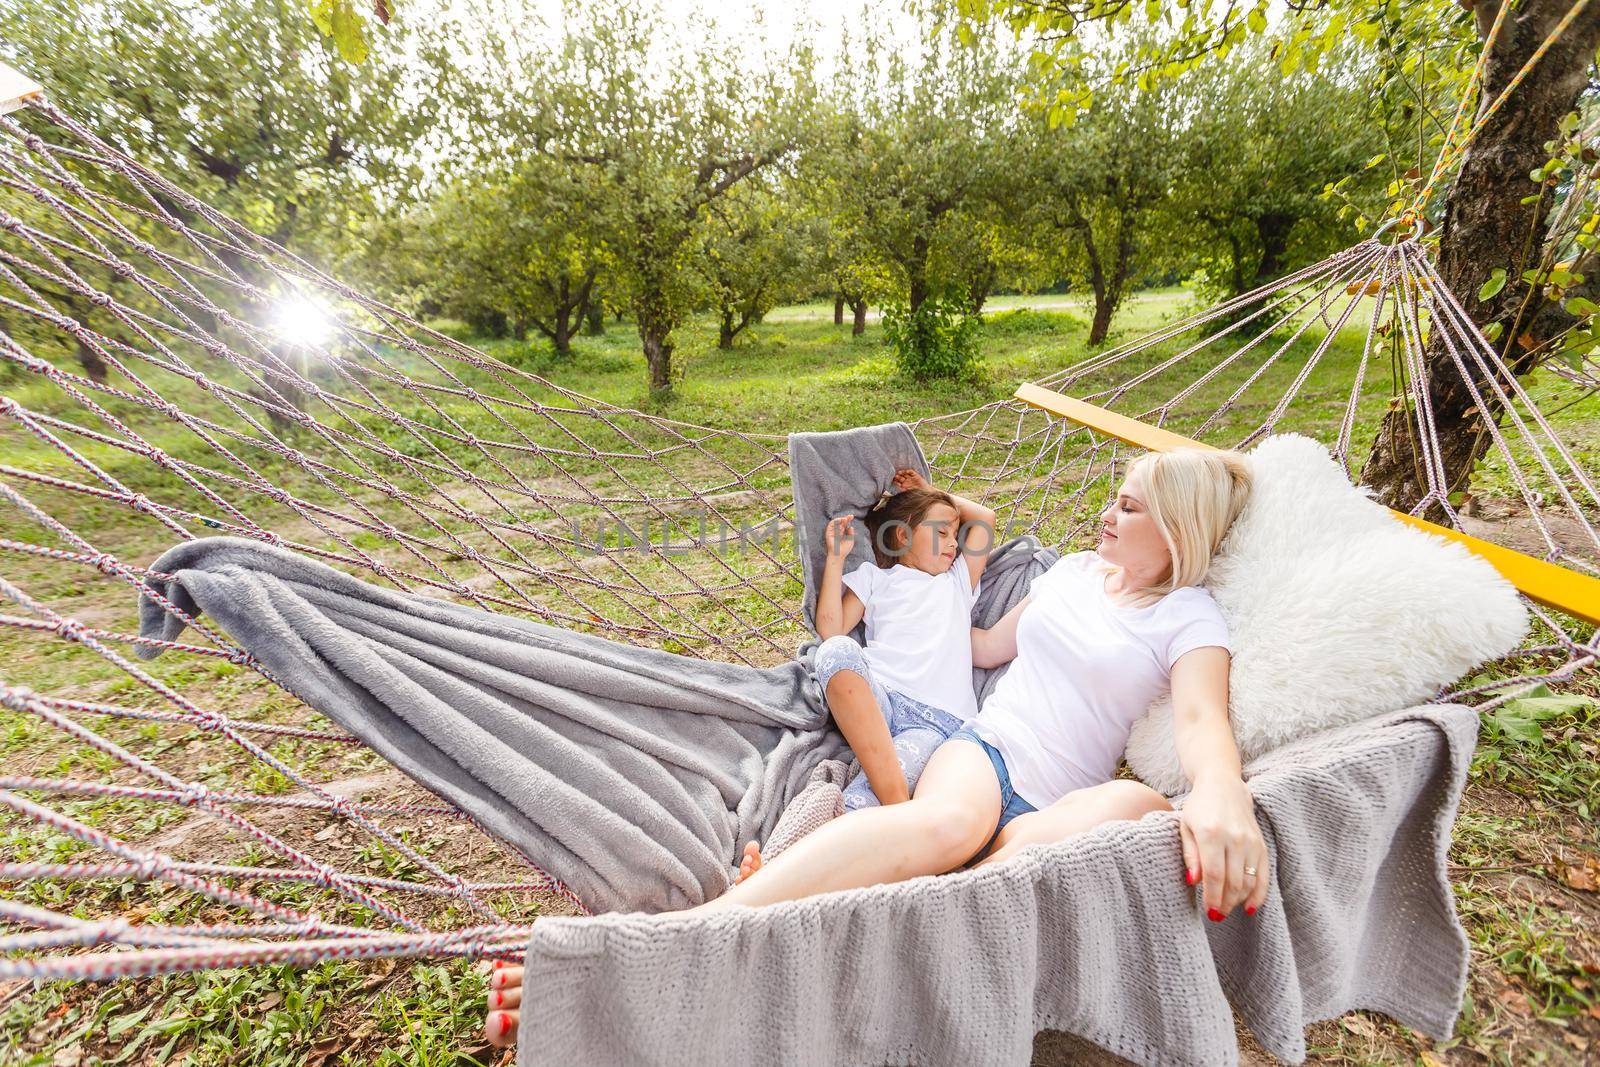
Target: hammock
(147,391)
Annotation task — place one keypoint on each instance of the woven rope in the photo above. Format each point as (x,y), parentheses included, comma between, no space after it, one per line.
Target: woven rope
(198,816)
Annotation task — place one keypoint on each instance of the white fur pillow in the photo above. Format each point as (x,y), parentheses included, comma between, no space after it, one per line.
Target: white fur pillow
(1336,610)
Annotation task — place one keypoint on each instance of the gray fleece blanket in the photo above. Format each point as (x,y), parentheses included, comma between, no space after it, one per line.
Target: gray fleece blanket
(635,775)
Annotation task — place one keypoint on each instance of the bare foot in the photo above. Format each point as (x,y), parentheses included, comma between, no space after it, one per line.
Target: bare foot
(505,1002)
(751,862)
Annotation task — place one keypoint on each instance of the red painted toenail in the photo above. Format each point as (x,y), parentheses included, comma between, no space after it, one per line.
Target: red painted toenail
(1188,876)
(1214,915)
(499,998)
(1251,910)
(505,1022)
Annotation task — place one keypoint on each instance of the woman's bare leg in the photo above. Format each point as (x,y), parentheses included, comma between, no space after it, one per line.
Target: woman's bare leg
(956,806)
(954,811)
(1079,810)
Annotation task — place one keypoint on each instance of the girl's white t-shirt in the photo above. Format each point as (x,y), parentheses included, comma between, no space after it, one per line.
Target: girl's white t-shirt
(919,631)
(1086,669)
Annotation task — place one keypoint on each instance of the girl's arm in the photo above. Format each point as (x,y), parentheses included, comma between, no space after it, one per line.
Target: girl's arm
(1220,835)
(998,644)
(838,609)
(977,520)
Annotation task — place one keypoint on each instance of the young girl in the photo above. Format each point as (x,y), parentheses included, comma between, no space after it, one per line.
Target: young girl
(910,688)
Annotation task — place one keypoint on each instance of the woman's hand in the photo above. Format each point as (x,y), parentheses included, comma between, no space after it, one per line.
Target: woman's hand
(1222,845)
(839,537)
(906,478)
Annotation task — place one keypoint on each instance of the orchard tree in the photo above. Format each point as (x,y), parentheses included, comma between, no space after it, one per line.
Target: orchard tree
(1497,245)
(1255,155)
(244,104)
(1102,181)
(757,249)
(660,132)
(922,139)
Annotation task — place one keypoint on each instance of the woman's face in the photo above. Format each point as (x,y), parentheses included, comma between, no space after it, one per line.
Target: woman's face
(1129,536)
(933,541)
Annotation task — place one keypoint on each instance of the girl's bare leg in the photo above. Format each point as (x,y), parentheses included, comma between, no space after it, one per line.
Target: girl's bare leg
(1079,810)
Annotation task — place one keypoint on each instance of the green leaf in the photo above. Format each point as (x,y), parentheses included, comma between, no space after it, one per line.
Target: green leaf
(1579,305)
(1496,282)
(1257,20)
(1541,708)
(1523,729)
(1375,160)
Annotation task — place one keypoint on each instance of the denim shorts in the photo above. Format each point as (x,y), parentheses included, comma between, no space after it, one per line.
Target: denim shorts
(1011,804)
(916,728)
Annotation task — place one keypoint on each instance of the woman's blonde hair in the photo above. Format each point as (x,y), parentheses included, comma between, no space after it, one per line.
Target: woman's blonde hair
(1193,494)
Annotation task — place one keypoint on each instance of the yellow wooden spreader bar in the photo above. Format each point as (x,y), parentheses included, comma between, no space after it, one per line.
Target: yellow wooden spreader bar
(15,88)
(1545,583)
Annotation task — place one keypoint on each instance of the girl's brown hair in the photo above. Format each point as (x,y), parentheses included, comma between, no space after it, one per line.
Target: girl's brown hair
(890,521)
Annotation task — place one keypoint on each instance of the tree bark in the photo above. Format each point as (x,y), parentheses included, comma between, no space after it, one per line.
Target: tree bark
(917,273)
(858,311)
(656,323)
(838,309)
(1486,226)
(978,290)
(594,319)
(726,331)
(1273,230)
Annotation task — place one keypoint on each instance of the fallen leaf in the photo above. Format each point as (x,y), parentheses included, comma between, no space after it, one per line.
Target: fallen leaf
(321,1052)
(1431,1059)
(1360,1025)
(1514,1000)
(1584,876)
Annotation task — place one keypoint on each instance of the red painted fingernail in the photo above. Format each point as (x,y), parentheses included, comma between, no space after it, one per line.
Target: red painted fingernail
(1188,876)
(505,1022)
(1214,915)
(1251,910)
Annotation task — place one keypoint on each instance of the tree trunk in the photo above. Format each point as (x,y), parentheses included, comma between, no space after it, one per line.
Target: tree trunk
(1104,308)
(655,337)
(725,331)
(88,358)
(858,309)
(1273,230)
(838,309)
(978,289)
(1486,226)
(917,273)
(594,319)
(566,325)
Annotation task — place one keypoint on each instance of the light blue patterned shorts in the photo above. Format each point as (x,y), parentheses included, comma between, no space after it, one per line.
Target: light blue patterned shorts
(917,728)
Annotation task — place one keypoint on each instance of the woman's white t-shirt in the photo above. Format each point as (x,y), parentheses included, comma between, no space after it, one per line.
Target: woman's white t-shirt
(919,631)
(1086,670)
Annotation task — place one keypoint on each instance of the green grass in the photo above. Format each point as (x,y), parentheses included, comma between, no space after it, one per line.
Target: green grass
(1528,814)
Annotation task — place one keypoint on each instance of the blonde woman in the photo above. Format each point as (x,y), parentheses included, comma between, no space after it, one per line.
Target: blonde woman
(1100,635)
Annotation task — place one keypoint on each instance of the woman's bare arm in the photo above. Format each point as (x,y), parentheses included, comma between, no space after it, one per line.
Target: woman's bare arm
(1221,838)
(998,644)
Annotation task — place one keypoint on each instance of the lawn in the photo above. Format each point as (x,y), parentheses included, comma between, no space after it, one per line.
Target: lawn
(1524,859)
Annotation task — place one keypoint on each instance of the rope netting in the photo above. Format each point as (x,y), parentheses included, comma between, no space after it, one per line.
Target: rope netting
(189,813)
